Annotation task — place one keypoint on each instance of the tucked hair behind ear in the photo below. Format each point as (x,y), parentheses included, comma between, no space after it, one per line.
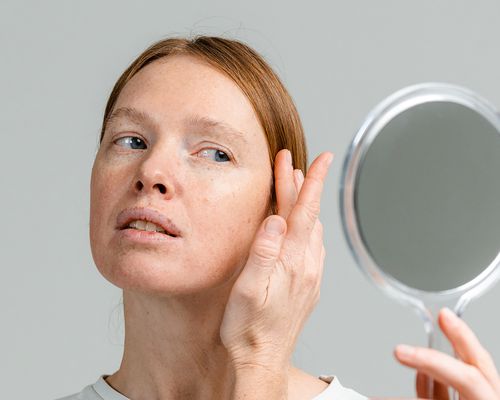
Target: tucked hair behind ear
(271,101)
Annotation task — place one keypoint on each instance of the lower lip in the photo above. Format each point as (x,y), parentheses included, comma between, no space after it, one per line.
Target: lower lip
(138,236)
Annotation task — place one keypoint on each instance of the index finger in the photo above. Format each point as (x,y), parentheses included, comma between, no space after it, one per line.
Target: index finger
(465,378)
(301,220)
(467,345)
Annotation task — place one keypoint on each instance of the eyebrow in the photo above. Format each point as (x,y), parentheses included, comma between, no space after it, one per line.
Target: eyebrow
(216,127)
(132,114)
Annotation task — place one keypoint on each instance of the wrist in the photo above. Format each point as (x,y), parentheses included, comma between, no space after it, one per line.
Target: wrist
(254,381)
(271,360)
(258,368)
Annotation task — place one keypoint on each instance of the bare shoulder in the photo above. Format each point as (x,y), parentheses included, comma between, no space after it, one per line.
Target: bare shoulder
(302,385)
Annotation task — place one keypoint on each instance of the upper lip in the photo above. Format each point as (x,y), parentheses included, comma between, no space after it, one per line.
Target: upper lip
(125,217)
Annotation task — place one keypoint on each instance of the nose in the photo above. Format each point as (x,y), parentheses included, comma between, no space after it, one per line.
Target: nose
(153,177)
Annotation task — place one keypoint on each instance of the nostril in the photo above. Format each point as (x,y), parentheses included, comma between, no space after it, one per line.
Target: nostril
(161,188)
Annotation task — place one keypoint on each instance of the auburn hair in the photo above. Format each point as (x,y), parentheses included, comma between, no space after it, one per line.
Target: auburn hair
(271,101)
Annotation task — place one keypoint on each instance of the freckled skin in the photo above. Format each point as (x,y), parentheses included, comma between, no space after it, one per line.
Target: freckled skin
(175,296)
(217,205)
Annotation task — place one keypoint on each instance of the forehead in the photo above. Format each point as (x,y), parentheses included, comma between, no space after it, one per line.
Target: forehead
(182,86)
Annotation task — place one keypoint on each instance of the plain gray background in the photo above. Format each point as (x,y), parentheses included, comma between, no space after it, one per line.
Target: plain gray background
(61,321)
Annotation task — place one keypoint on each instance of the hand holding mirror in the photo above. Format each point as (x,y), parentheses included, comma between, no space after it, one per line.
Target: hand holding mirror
(420,199)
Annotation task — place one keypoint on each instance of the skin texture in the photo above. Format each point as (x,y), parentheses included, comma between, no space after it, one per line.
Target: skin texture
(175,294)
(205,199)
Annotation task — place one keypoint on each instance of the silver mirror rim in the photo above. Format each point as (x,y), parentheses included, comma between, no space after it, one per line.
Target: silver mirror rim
(381,114)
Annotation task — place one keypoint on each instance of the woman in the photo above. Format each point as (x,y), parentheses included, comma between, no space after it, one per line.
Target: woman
(201,214)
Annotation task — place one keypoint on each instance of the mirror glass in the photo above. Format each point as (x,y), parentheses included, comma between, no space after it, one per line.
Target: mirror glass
(427,196)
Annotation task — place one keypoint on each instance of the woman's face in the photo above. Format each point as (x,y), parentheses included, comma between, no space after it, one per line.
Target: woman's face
(184,147)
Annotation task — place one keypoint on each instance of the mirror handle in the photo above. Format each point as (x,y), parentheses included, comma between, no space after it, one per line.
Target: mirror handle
(435,336)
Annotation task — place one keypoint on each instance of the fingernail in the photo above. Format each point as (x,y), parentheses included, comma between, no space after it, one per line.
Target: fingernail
(405,351)
(289,157)
(296,175)
(330,159)
(301,176)
(275,226)
(449,315)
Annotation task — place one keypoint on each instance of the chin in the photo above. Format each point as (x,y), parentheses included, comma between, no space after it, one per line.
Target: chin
(162,279)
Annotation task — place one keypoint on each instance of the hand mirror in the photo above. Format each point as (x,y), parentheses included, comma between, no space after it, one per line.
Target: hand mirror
(420,199)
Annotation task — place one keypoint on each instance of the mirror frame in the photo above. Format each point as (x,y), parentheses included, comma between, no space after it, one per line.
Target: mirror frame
(400,101)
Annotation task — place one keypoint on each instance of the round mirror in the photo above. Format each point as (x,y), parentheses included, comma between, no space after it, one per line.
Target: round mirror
(420,198)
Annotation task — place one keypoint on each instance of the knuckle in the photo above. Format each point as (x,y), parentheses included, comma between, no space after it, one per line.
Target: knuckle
(294,273)
(312,209)
(264,251)
(484,359)
(310,278)
(289,258)
(473,376)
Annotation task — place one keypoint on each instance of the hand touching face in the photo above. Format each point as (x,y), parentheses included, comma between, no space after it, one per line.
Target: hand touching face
(279,285)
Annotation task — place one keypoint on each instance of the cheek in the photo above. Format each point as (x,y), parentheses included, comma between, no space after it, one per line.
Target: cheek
(226,218)
(221,215)
(103,196)
(98,196)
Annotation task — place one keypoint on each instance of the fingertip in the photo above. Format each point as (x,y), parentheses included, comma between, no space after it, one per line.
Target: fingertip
(448,314)
(287,160)
(288,156)
(404,352)
(275,225)
(325,157)
(330,158)
(301,177)
(395,351)
(447,318)
(285,155)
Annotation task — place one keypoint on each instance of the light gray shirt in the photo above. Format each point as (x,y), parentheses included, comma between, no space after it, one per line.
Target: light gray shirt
(101,390)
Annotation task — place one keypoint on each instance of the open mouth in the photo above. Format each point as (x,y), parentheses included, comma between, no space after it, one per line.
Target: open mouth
(147,226)
(148,220)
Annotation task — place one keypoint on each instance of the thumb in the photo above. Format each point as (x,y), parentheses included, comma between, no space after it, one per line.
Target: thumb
(265,250)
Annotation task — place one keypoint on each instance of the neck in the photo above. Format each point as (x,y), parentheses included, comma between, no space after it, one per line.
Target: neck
(173,348)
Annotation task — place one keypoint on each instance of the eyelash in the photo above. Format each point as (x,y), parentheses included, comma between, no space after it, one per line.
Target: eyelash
(230,158)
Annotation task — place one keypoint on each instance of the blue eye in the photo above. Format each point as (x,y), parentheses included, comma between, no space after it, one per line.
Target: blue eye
(219,154)
(132,142)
